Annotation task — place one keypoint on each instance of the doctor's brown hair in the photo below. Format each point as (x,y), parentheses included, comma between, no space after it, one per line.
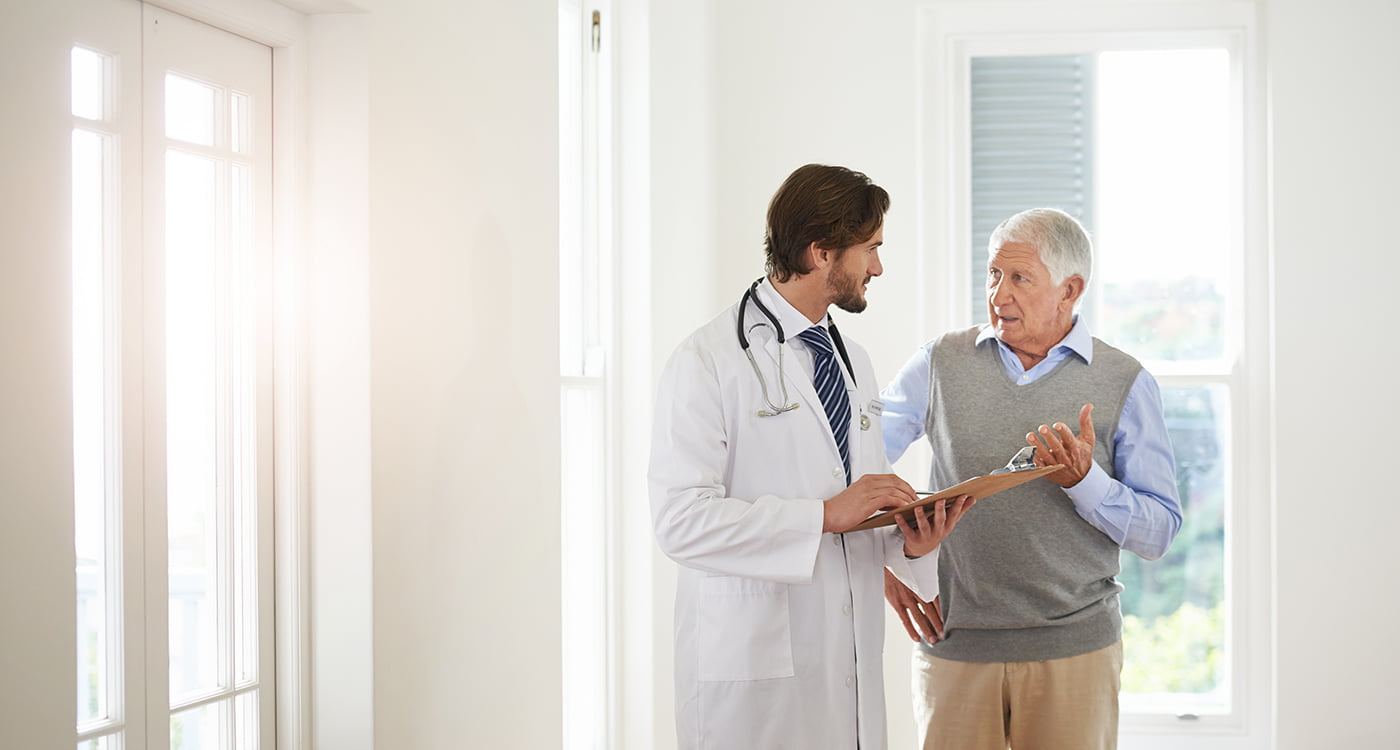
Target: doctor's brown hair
(834,207)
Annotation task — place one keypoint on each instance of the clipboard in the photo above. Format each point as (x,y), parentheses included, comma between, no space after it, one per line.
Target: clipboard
(977,487)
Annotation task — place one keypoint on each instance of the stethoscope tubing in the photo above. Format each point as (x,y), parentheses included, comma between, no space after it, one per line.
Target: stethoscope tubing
(775,409)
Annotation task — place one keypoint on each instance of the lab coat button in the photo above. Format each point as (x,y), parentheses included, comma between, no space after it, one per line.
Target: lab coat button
(846,609)
(850,682)
(836,540)
(836,472)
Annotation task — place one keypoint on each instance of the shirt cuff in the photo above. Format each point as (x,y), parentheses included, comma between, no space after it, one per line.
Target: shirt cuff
(1092,490)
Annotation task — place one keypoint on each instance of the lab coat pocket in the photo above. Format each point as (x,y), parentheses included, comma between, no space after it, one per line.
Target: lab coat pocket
(744,630)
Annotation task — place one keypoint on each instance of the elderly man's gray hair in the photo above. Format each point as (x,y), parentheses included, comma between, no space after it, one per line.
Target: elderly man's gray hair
(1063,244)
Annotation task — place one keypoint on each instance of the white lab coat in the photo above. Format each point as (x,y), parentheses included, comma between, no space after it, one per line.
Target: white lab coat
(779,628)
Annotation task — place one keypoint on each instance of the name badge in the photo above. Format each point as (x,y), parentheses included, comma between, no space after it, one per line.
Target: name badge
(877,406)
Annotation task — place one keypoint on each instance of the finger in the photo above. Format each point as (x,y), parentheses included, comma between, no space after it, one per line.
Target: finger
(938,516)
(908,626)
(925,524)
(891,483)
(927,628)
(934,611)
(890,500)
(1053,446)
(903,487)
(903,525)
(1065,435)
(1086,423)
(965,503)
(1038,441)
(1038,457)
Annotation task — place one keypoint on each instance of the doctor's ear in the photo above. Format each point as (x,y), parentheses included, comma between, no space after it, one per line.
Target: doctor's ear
(819,256)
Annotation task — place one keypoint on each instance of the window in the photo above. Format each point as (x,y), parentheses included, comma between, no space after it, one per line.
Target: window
(97,492)
(172,383)
(587,375)
(1144,123)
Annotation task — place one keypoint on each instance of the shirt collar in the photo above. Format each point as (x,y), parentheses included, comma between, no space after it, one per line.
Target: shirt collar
(1078,340)
(792,321)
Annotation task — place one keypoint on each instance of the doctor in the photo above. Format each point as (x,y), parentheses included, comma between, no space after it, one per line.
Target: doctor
(767,446)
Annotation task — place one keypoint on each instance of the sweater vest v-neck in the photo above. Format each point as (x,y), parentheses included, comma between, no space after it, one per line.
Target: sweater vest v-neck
(1023,577)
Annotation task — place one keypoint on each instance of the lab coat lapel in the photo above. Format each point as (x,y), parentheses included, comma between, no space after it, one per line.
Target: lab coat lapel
(798,382)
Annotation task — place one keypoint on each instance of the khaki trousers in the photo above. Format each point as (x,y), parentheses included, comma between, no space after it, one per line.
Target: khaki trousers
(1061,704)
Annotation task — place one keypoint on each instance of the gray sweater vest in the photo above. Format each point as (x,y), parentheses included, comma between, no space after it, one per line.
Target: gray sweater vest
(1022,577)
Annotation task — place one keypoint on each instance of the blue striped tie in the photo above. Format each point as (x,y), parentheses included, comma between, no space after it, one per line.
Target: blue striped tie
(831,389)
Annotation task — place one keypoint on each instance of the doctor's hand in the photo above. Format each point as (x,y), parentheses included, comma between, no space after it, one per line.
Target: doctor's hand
(922,620)
(931,523)
(870,493)
(1059,445)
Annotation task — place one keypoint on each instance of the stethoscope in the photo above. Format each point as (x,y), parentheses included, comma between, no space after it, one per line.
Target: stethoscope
(773,409)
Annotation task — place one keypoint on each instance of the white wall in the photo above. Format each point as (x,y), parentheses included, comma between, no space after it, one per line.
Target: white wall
(341,693)
(463,290)
(680,291)
(830,82)
(1334,173)
(37,586)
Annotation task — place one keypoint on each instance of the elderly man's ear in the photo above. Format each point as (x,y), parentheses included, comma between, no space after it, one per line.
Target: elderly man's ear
(1074,289)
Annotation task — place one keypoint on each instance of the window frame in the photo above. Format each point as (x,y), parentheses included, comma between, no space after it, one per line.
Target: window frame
(954,32)
(589,371)
(283,29)
(121,569)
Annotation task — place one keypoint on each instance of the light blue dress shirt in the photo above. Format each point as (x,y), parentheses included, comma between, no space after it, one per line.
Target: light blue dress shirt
(1140,510)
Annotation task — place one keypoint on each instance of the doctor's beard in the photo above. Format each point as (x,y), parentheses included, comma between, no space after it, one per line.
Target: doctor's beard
(847,293)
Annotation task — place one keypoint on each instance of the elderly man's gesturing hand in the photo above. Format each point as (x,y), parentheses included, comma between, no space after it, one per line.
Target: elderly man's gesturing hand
(1059,445)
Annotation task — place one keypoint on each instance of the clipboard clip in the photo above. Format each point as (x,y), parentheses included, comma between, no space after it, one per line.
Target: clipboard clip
(1022,461)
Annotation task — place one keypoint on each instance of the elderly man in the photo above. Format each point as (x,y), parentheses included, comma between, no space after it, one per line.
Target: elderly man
(1023,646)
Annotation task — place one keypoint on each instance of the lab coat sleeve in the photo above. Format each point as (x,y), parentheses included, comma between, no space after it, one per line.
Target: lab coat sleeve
(696,523)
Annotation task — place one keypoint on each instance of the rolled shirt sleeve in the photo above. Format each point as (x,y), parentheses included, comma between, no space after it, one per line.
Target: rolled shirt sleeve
(1141,509)
(906,404)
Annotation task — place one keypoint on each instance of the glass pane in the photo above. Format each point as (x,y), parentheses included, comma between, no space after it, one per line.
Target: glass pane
(1174,608)
(203,728)
(106,742)
(238,123)
(1029,116)
(1164,227)
(89,84)
(584,585)
(189,110)
(91,470)
(245,733)
(571,191)
(192,419)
